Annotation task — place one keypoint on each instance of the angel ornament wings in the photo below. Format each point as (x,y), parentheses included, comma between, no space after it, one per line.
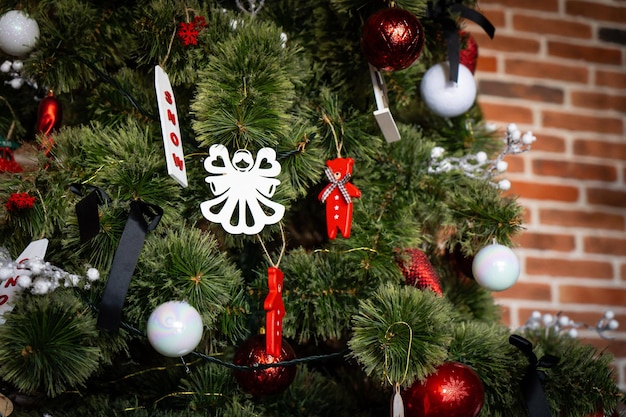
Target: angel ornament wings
(242,188)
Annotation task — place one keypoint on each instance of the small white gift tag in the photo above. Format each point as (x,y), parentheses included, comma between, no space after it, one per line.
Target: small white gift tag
(9,288)
(397,405)
(383,116)
(172,141)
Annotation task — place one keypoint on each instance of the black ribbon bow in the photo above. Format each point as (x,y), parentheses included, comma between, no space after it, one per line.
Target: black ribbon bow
(143,217)
(532,383)
(87,209)
(442,12)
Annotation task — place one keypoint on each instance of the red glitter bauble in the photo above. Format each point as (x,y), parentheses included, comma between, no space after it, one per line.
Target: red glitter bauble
(392,39)
(468,55)
(265,381)
(419,272)
(454,390)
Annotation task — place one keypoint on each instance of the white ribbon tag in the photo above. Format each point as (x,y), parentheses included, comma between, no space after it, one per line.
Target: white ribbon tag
(9,287)
(172,141)
(383,116)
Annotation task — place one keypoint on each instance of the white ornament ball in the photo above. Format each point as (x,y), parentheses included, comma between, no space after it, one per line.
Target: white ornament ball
(447,98)
(18,33)
(496,267)
(174,328)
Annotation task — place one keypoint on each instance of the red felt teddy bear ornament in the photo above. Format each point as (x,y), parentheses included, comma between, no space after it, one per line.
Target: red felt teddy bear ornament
(338,196)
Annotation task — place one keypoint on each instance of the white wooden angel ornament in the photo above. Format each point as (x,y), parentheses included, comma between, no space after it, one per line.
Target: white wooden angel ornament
(242,187)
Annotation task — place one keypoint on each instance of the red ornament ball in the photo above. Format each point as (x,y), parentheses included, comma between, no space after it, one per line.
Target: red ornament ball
(265,381)
(392,39)
(468,55)
(454,390)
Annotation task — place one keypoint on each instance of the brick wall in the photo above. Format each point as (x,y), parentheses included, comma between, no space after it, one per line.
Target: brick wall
(558,68)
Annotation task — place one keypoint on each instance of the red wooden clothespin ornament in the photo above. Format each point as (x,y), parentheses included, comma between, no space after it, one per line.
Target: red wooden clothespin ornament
(274,312)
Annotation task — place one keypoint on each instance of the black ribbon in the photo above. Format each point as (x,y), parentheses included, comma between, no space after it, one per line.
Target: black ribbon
(532,383)
(87,210)
(441,12)
(143,217)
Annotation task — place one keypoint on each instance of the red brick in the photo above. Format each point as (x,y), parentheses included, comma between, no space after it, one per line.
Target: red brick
(517,163)
(615,79)
(580,122)
(533,92)
(573,268)
(546,5)
(622,273)
(548,241)
(605,245)
(505,43)
(592,295)
(594,54)
(548,143)
(599,101)
(505,112)
(609,150)
(539,68)
(575,170)
(578,218)
(505,317)
(543,191)
(534,24)
(596,11)
(486,64)
(494,14)
(606,197)
(527,291)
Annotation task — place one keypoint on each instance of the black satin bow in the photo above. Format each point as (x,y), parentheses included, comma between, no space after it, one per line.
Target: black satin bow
(442,12)
(532,383)
(87,209)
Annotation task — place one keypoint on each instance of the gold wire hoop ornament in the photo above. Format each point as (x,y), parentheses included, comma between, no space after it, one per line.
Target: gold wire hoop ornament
(388,336)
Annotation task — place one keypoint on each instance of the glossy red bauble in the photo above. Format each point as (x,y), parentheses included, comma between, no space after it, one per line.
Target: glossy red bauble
(392,39)
(264,381)
(454,390)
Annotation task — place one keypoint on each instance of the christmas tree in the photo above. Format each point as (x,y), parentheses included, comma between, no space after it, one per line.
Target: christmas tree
(280,208)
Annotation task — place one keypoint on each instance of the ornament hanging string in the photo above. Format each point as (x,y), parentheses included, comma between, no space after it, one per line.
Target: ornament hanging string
(338,144)
(388,336)
(396,404)
(441,13)
(282,250)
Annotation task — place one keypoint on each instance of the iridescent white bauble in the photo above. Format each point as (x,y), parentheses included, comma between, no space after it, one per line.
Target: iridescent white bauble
(174,328)
(444,97)
(18,33)
(496,267)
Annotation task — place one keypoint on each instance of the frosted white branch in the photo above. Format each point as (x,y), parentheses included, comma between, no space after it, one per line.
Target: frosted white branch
(478,165)
(562,323)
(41,277)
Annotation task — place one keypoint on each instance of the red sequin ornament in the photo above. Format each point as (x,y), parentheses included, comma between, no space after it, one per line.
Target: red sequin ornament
(454,390)
(419,272)
(265,381)
(19,201)
(392,39)
(468,55)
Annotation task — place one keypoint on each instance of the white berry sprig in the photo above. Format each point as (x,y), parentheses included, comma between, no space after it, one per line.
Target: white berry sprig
(478,165)
(562,323)
(41,277)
